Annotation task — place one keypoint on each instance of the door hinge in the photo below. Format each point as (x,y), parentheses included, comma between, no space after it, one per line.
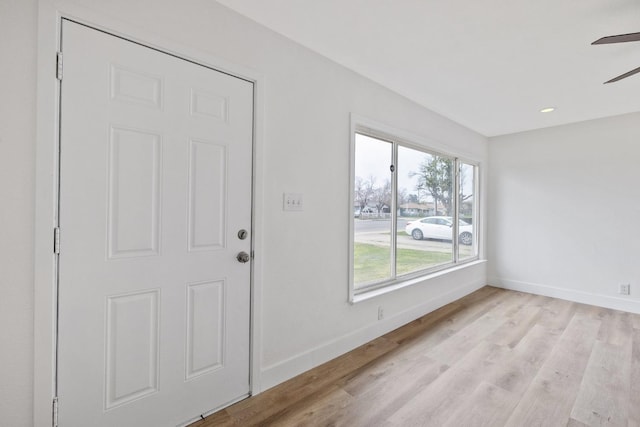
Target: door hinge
(55,412)
(59,66)
(56,240)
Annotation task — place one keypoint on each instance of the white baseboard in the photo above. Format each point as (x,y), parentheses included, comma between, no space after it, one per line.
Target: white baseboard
(282,371)
(600,300)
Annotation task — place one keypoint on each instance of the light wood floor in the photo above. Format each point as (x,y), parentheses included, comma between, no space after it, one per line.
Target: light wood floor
(493,358)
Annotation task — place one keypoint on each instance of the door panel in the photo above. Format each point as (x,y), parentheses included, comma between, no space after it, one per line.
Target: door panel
(155,182)
(131,347)
(205,331)
(134,193)
(207,194)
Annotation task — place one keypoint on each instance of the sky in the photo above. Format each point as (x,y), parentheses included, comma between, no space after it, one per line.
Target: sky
(373,158)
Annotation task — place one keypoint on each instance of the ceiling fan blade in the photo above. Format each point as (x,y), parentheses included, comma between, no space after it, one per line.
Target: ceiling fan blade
(624,76)
(621,38)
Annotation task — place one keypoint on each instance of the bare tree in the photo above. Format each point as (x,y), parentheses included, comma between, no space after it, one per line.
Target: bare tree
(462,197)
(463,184)
(363,191)
(403,196)
(382,196)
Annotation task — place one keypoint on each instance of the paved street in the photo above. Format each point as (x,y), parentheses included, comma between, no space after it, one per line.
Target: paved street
(366,225)
(377,232)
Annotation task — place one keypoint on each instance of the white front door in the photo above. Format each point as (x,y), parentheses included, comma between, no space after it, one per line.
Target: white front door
(155,185)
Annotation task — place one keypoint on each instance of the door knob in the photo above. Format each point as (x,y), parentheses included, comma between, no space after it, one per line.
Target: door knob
(243,257)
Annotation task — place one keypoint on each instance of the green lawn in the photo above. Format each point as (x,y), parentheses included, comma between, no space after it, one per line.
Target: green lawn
(372,262)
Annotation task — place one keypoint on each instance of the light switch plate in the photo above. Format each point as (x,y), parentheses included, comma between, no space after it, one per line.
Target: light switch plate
(292,202)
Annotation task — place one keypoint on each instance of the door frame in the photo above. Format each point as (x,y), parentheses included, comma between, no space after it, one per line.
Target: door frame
(50,15)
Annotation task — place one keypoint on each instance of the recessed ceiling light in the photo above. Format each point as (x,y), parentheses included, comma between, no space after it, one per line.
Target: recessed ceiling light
(547,110)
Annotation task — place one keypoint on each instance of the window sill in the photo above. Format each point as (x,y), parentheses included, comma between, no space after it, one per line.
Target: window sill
(366,295)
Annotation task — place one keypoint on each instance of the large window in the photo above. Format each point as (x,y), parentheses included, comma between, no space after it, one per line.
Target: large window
(414,211)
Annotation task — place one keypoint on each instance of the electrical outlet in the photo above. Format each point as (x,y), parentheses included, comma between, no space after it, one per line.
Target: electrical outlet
(380,313)
(625,289)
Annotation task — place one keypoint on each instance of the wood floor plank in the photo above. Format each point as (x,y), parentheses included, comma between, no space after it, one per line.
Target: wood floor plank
(523,362)
(484,293)
(516,326)
(576,423)
(434,404)
(635,321)
(493,358)
(634,379)
(385,390)
(392,369)
(426,324)
(488,406)
(471,309)
(556,314)
(280,397)
(219,419)
(468,337)
(572,351)
(616,327)
(549,399)
(315,409)
(603,397)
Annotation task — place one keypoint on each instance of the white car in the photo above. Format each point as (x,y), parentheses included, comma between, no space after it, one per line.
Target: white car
(439,227)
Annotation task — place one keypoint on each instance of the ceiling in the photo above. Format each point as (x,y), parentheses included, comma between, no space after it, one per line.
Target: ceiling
(490,65)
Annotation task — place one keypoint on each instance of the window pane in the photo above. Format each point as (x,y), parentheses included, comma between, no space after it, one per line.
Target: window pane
(466,205)
(425,187)
(372,211)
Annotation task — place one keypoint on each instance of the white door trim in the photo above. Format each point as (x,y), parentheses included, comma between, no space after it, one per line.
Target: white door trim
(50,14)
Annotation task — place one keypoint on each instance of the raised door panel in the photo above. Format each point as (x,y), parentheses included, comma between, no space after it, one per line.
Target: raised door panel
(205,333)
(207,195)
(134,193)
(132,347)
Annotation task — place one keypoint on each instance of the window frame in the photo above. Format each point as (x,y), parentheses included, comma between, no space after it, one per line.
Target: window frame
(367,127)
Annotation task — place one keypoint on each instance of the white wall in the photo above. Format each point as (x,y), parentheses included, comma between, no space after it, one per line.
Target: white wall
(564,211)
(17,145)
(307,100)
